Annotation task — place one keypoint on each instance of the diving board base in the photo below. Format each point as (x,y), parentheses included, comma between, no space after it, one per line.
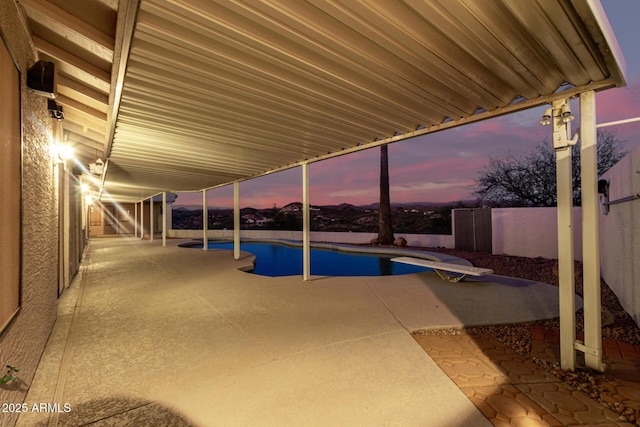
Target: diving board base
(443,268)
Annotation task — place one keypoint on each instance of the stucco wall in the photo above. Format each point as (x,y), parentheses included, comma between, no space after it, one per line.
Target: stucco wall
(22,343)
(620,234)
(531,232)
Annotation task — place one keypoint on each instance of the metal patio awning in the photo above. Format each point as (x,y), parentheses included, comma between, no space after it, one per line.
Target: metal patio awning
(203,93)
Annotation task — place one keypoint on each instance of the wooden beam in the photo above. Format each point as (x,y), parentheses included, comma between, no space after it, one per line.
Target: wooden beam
(83,90)
(79,129)
(84,120)
(92,74)
(71,28)
(69,103)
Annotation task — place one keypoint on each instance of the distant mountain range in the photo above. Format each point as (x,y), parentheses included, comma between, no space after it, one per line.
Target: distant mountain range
(461,203)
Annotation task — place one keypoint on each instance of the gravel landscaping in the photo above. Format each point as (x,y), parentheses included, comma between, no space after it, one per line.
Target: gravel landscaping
(617,325)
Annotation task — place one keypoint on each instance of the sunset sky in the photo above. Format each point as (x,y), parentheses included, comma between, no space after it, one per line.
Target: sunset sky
(443,166)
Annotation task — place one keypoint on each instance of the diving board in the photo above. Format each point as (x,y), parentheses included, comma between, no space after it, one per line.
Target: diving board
(443,267)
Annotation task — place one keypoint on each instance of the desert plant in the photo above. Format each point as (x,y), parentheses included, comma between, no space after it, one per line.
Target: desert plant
(9,376)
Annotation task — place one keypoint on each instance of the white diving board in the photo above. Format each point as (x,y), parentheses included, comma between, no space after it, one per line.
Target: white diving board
(443,267)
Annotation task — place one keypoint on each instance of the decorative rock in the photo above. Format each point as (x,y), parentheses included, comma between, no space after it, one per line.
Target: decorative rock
(374,241)
(400,241)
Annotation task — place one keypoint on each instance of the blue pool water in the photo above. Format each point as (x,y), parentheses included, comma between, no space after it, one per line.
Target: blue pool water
(280,260)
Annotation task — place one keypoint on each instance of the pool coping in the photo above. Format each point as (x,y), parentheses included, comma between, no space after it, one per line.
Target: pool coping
(346,247)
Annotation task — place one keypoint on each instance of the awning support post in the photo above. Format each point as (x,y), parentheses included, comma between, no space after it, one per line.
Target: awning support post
(205,221)
(135,219)
(141,219)
(306,243)
(164,219)
(590,232)
(236,220)
(151,219)
(562,146)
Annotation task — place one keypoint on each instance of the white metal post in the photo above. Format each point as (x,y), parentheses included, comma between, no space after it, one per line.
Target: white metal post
(164,219)
(205,221)
(565,240)
(135,219)
(236,220)
(151,219)
(141,219)
(66,221)
(306,242)
(590,232)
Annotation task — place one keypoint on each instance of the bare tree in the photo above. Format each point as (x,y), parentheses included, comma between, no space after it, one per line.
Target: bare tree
(385,231)
(530,180)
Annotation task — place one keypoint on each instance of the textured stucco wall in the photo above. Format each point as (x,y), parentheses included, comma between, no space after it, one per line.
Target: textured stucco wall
(22,343)
(531,232)
(620,234)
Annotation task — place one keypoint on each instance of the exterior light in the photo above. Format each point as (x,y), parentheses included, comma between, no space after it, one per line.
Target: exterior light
(546,117)
(566,114)
(84,187)
(60,152)
(89,199)
(65,152)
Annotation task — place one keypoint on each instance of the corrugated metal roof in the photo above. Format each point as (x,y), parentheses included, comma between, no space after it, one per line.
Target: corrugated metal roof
(217,91)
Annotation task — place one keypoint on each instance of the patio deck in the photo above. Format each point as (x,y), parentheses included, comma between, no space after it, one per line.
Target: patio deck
(175,336)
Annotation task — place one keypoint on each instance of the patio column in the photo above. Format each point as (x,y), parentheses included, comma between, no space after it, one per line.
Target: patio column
(164,219)
(141,219)
(151,219)
(306,244)
(236,220)
(205,221)
(590,232)
(135,220)
(562,147)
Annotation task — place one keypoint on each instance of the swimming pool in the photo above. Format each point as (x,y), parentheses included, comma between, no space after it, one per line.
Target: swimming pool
(273,259)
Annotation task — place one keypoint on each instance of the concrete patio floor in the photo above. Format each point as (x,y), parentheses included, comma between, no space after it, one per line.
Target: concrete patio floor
(148,335)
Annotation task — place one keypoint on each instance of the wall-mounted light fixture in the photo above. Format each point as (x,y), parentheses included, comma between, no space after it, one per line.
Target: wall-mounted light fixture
(97,167)
(603,191)
(61,152)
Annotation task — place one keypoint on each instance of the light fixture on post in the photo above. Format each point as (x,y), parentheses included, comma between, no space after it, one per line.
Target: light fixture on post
(560,118)
(566,114)
(546,117)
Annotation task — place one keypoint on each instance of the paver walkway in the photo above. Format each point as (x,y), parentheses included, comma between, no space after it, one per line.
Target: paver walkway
(511,390)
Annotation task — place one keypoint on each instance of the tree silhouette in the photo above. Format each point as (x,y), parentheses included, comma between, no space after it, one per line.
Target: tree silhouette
(530,180)
(385,230)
